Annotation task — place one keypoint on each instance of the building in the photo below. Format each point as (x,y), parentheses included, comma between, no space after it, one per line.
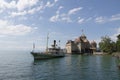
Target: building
(81,45)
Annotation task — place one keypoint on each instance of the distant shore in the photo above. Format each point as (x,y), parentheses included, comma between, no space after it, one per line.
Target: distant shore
(100,53)
(115,54)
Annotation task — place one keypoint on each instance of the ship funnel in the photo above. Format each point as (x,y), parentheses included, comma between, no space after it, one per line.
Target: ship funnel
(54,42)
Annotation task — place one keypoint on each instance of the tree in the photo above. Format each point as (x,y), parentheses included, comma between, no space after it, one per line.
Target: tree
(118,37)
(118,43)
(107,45)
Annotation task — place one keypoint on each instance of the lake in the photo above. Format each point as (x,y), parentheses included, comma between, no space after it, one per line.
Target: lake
(19,65)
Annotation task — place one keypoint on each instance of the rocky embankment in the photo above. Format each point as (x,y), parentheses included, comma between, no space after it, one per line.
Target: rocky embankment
(117,54)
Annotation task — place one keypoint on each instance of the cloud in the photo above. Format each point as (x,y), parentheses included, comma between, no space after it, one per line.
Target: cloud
(58,11)
(60,17)
(49,4)
(13,14)
(115,17)
(55,0)
(81,20)
(30,7)
(7,28)
(64,16)
(19,5)
(22,4)
(25,12)
(23,7)
(74,10)
(4,4)
(114,36)
(17,8)
(102,19)
(22,18)
(55,18)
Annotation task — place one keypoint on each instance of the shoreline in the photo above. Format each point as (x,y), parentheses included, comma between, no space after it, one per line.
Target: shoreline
(116,54)
(100,53)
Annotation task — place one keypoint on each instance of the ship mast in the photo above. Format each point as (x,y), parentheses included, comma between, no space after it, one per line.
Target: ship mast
(82,31)
(59,43)
(33,47)
(47,43)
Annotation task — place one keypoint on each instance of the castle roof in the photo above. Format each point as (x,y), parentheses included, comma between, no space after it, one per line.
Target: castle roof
(70,41)
(93,42)
(86,40)
(83,36)
(78,40)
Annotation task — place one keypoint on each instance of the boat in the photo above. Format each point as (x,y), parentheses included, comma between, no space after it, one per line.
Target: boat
(53,52)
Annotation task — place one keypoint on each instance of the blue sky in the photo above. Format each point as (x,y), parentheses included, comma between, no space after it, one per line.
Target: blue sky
(24,22)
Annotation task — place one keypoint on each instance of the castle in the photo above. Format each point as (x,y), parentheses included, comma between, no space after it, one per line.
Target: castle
(81,45)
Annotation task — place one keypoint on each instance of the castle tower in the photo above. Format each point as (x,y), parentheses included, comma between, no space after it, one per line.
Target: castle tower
(93,46)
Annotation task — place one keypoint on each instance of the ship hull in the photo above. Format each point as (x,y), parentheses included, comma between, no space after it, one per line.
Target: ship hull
(41,56)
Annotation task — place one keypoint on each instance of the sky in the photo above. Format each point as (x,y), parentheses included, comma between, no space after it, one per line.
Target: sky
(24,22)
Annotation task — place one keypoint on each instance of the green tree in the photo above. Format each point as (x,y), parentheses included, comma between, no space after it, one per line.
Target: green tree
(107,45)
(114,47)
(118,43)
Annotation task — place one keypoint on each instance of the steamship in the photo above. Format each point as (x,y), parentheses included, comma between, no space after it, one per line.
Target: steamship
(53,52)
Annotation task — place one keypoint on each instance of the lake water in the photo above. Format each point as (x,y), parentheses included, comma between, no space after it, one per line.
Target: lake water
(21,66)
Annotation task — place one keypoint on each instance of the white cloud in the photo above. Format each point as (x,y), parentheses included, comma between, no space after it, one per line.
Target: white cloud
(18,8)
(32,11)
(54,18)
(115,17)
(60,17)
(13,14)
(28,7)
(22,4)
(74,10)
(58,11)
(19,5)
(64,16)
(114,36)
(25,12)
(60,7)
(1,11)
(22,18)
(102,19)
(49,4)
(7,28)
(4,4)
(55,0)
(81,20)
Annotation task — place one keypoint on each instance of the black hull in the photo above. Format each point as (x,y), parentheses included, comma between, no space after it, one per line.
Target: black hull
(41,56)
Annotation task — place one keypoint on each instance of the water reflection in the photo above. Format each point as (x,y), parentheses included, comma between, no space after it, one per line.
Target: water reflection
(77,67)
